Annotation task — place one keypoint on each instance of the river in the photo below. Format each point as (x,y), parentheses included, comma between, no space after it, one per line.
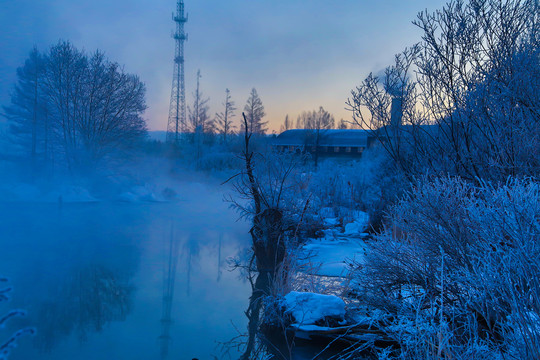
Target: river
(92,277)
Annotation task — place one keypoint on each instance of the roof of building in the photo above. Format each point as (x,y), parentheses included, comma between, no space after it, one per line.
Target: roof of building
(332,137)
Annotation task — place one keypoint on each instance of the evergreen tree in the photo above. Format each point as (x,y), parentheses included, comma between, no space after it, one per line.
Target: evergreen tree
(254,111)
(199,120)
(27,113)
(224,119)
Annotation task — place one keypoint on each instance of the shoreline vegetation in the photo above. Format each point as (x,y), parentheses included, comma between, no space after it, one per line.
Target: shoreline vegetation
(425,245)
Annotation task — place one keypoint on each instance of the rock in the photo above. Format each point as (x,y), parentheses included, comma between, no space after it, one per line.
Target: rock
(308,308)
(359,225)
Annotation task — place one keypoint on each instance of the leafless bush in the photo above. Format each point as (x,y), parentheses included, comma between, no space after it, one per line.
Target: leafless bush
(370,185)
(460,262)
(466,94)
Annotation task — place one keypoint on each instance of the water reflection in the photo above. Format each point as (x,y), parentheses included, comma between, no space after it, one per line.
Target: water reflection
(95,272)
(191,252)
(219,261)
(87,300)
(168,295)
(253,313)
(271,340)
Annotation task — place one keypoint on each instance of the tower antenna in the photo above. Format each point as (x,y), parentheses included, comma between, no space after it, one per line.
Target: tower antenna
(177,107)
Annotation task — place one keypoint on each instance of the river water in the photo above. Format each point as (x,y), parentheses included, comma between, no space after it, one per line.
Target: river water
(92,277)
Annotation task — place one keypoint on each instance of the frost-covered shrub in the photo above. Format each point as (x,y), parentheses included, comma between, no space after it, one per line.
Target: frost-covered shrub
(218,160)
(464,260)
(467,93)
(370,184)
(8,344)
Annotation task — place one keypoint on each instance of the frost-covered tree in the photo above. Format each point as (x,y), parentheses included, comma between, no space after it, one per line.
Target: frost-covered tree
(96,104)
(467,93)
(27,114)
(254,111)
(198,120)
(224,123)
(453,267)
(287,124)
(200,125)
(317,122)
(81,107)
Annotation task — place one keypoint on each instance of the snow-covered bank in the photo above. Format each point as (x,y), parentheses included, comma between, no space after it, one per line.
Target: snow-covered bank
(143,180)
(31,193)
(330,257)
(331,254)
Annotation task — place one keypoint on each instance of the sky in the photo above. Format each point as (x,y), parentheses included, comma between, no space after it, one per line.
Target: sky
(298,54)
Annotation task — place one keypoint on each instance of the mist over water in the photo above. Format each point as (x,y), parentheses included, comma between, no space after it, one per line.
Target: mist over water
(91,276)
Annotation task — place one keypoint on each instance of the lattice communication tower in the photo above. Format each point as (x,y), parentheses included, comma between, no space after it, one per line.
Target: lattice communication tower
(177,107)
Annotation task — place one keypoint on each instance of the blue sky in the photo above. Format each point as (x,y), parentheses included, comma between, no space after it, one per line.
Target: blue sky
(298,54)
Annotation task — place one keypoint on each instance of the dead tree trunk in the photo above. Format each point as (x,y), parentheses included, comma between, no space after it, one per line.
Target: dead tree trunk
(267,230)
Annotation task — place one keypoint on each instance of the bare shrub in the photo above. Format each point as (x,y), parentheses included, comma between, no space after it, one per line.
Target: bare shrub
(465,260)
(466,95)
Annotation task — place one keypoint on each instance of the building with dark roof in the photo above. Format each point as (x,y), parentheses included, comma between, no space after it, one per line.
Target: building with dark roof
(335,143)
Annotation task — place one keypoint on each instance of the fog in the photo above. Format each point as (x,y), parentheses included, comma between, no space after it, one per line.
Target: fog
(91,275)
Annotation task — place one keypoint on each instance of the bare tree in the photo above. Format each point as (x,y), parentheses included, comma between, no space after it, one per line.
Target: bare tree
(466,93)
(199,122)
(287,124)
(317,122)
(81,107)
(224,119)
(372,102)
(254,111)
(107,115)
(264,185)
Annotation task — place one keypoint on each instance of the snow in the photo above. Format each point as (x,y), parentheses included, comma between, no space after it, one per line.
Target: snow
(311,328)
(138,193)
(307,308)
(353,228)
(69,194)
(333,255)
(31,193)
(359,225)
(307,331)
(331,221)
(73,193)
(338,249)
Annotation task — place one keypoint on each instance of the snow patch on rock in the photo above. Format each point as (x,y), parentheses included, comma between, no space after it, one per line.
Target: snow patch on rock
(359,225)
(307,308)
